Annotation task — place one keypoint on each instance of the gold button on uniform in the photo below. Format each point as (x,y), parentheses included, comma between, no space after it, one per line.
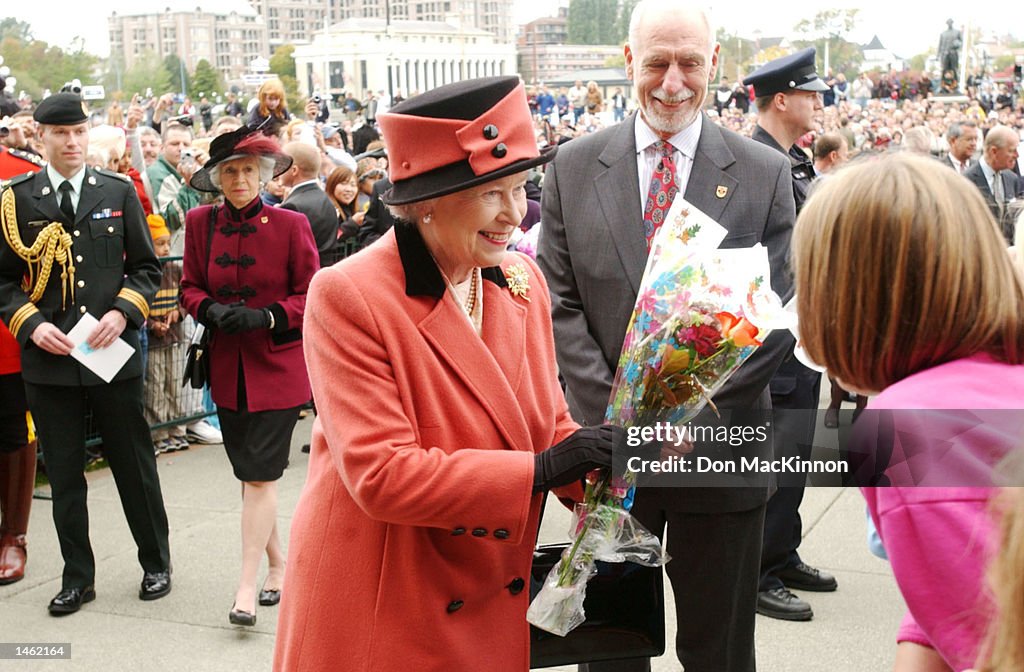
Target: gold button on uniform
(78,258)
(77,233)
(110,229)
(82,310)
(81,283)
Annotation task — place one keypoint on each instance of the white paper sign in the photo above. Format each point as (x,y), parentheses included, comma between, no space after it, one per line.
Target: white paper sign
(105,362)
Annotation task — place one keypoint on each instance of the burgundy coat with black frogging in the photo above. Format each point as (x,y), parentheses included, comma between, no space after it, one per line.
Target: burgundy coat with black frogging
(265,257)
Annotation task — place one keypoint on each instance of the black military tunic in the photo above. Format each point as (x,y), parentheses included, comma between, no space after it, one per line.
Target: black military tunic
(801,167)
(104,260)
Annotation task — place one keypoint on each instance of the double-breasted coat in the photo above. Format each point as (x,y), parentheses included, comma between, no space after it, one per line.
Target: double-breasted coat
(265,258)
(412,541)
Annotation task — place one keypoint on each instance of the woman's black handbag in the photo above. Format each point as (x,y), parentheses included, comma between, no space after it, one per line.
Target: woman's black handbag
(197,361)
(625,608)
(197,358)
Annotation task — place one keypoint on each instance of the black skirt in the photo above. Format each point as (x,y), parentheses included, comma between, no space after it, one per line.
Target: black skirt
(13,424)
(257,442)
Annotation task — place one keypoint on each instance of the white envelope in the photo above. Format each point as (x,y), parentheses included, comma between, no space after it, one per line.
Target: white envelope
(105,362)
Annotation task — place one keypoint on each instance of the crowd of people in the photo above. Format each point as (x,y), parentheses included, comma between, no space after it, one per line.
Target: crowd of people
(480,330)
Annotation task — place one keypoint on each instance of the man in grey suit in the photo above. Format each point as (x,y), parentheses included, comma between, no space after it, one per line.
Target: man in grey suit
(308,198)
(994,177)
(593,251)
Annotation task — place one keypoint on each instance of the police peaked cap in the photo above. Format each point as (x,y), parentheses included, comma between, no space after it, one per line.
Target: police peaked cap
(795,71)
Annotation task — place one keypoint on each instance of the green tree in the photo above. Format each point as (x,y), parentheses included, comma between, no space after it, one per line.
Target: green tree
(205,80)
(12,27)
(622,23)
(735,55)
(147,72)
(176,71)
(282,63)
(38,66)
(592,22)
(918,62)
(829,26)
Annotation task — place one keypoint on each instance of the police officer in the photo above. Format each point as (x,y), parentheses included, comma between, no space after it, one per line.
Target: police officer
(76,242)
(787,94)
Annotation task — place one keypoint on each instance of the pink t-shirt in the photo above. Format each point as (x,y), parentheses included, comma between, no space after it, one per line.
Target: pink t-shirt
(940,539)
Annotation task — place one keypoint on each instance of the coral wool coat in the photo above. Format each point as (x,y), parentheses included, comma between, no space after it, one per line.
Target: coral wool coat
(412,541)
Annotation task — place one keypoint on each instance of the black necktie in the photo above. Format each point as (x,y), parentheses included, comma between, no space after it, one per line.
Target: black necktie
(65,201)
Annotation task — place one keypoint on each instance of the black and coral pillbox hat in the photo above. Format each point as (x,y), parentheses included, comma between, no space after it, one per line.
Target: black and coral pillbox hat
(459,136)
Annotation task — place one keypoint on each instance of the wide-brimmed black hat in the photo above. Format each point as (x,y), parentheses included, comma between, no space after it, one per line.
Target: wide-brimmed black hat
(243,141)
(458,136)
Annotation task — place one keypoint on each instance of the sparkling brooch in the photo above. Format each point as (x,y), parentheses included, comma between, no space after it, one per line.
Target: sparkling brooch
(518,280)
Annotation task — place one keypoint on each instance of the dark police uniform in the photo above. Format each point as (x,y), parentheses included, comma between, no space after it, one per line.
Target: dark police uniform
(104,260)
(795,388)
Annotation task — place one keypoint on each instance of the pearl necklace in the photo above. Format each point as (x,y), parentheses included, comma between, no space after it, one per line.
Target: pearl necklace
(472,305)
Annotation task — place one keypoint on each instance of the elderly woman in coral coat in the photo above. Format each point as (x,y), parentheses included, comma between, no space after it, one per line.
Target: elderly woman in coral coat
(441,421)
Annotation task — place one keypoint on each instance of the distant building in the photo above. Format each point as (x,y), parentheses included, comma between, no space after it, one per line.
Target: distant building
(546,30)
(291,21)
(227,33)
(361,55)
(540,62)
(494,16)
(877,57)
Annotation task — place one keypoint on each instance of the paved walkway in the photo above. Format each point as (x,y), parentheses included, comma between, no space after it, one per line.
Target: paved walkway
(188,630)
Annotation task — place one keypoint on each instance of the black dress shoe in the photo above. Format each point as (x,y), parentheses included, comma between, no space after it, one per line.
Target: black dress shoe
(155,585)
(805,577)
(784,605)
(70,600)
(239,617)
(269,598)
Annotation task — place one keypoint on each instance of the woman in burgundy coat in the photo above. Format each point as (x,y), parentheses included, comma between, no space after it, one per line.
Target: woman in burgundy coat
(247,283)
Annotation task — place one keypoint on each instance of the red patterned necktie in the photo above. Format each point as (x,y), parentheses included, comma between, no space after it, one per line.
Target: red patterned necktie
(662,191)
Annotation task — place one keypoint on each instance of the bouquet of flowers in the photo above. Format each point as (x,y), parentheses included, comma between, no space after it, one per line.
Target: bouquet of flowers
(700,313)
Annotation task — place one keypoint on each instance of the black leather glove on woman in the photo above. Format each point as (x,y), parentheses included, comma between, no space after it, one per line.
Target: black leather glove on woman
(240,319)
(215,312)
(568,461)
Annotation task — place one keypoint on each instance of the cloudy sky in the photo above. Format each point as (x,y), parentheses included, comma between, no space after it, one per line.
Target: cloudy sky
(904,27)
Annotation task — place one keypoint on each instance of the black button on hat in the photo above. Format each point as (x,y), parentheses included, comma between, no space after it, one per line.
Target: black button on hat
(499,151)
(61,109)
(490,132)
(516,586)
(795,71)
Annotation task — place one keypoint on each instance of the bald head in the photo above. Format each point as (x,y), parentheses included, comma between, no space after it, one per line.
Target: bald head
(305,159)
(1001,148)
(654,11)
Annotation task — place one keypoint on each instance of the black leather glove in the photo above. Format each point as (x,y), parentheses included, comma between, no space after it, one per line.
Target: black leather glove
(241,319)
(568,461)
(215,313)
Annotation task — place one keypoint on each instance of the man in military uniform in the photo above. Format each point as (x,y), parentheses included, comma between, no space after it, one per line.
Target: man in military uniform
(76,242)
(15,161)
(788,95)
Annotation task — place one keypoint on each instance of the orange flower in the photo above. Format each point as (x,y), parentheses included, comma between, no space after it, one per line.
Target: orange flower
(738,329)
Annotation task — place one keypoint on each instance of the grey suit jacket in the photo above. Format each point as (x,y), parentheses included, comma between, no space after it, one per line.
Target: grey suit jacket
(976,174)
(593,252)
(311,201)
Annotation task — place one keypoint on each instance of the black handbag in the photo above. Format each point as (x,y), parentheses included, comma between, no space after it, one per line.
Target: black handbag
(197,358)
(625,610)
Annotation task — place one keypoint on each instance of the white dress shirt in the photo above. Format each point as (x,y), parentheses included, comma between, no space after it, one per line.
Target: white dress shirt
(684,145)
(56,179)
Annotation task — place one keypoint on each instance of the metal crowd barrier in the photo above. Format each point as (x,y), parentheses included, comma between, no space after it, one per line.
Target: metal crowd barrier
(167,402)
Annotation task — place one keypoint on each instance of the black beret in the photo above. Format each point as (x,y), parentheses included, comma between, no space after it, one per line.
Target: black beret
(795,71)
(61,109)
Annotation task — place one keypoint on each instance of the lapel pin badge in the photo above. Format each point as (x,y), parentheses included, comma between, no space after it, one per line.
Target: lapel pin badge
(92,180)
(46,191)
(721,191)
(264,219)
